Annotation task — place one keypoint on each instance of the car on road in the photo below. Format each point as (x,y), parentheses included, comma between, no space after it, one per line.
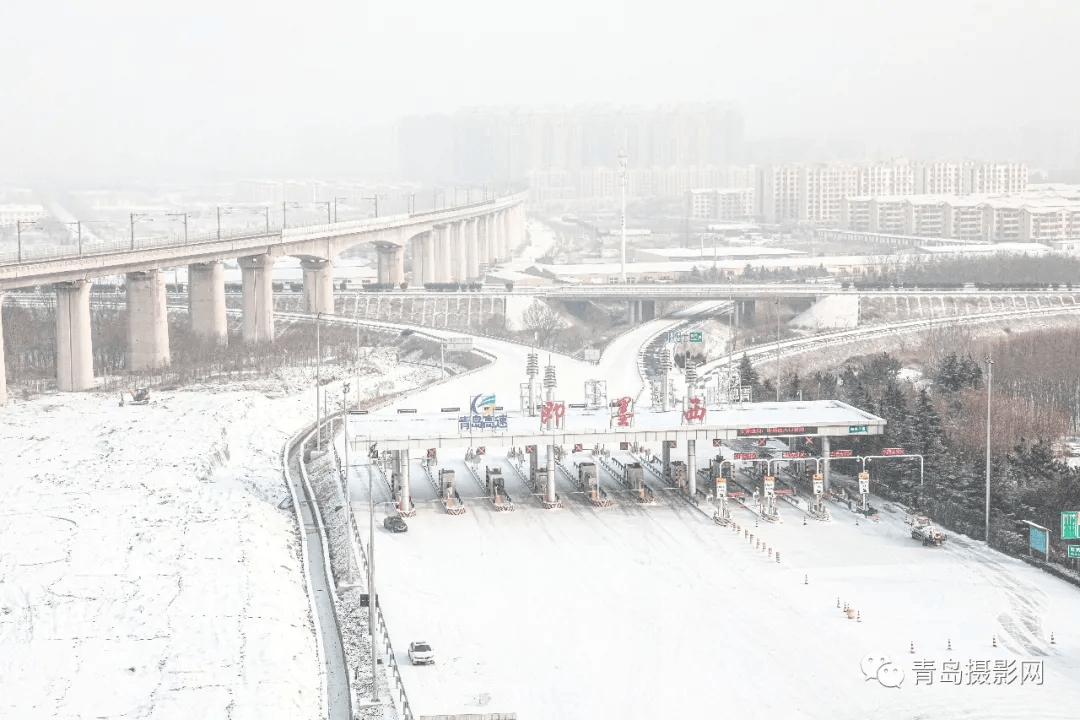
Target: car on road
(420,653)
(395,524)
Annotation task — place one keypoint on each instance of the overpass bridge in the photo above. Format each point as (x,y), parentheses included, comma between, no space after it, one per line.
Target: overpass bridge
(451,245)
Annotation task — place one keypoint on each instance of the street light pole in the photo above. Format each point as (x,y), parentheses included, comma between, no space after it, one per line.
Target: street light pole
(989,386)
(318,377)
(357,349)
(372,603)
(777,303)
(336,200)
(622,191)
(327,204)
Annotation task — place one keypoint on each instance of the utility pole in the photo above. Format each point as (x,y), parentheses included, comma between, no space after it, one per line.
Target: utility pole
(78,226)
(358,350)
(284,215)
(135,217)
(183,217)
(375,197)
(989,386)
(777,303)
(327,204)
(318,377)
(218,222)
(622,190)
(336,201)
(372,602)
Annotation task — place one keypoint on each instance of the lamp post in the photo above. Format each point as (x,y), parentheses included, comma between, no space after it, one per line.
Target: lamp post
(136,217)
(327,203)
(622,214)
(336,201)
(357,349)
(318,376)
(183,218)
(989,387)
(777,303)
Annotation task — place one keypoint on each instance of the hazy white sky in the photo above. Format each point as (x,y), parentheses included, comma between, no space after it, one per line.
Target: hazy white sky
(111,83)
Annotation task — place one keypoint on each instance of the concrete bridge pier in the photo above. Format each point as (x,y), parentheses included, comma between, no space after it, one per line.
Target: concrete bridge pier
(483,243)
(391,264)
(428,242)
(825,463)
(472,250)
(417,245)
(319,285)
(507,242)
(206,301)
(258,302)
(444,262)
(3,372)
(461,252)
(744,311)
(647,310)
(147,321)
(74,350)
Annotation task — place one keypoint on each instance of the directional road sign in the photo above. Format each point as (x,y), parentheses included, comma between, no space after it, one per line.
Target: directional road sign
(1069,525)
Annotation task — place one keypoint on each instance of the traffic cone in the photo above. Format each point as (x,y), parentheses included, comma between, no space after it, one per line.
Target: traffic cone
(858,616)
(994,641)
(837,603)
(912,647)
(777,556)
(755,522)
(856,522)
(1052,641)
(950,644)
(803,519)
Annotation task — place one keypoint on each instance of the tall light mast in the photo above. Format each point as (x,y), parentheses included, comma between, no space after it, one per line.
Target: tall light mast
(622,188)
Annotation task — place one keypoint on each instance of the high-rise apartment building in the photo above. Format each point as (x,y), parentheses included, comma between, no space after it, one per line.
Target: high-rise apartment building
(507,145)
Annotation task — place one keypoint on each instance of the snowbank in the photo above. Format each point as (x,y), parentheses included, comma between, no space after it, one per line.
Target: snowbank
(831,311)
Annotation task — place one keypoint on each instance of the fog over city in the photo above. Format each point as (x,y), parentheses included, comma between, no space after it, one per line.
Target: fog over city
(119,89)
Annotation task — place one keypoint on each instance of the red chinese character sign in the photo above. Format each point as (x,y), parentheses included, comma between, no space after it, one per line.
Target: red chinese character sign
(694,414)
(623,415)
(578,447)
(552,410)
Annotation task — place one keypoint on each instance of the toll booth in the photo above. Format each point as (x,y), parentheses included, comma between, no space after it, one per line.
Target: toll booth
(634,477)
(678,473)
(587,478)
(539,478)
(494,483)
(448,493)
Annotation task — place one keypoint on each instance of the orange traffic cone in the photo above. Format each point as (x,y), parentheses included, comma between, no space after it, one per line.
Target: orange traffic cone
(912,647)
(950,644)
(1052,642)
(994,641)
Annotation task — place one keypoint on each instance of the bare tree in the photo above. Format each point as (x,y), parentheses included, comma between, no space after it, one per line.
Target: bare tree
(543,322)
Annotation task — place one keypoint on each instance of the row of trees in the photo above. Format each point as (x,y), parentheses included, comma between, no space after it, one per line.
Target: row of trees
(943,418)
(997,270)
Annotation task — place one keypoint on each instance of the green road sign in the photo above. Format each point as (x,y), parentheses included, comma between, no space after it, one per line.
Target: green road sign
(1069,529)
(857,429)
(1074,551)
(695,337)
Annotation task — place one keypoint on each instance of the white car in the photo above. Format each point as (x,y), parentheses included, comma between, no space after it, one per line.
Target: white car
(420,653)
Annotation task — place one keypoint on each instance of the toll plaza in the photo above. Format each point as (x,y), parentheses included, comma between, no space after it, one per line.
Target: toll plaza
(726,436)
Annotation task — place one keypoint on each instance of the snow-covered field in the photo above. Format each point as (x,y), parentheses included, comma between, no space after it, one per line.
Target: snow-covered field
(145,568)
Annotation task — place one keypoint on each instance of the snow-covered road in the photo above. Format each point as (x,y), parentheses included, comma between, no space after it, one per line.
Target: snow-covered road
(631,612)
